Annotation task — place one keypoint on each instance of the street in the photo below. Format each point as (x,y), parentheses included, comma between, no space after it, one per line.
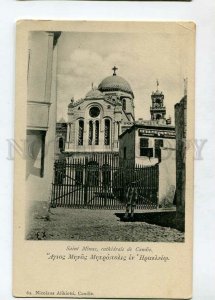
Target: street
(103,225)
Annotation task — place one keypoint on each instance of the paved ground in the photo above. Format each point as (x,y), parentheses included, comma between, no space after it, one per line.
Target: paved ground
(103,225)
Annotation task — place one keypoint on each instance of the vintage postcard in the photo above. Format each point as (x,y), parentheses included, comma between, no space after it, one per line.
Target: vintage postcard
(104,131)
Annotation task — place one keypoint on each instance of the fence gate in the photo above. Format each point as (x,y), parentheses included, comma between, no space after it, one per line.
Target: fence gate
(99,182)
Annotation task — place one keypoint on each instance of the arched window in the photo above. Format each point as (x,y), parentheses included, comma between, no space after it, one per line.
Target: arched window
(80,132)
(107,132)
(61,144)
(124,104)
(90,140)
(97,132)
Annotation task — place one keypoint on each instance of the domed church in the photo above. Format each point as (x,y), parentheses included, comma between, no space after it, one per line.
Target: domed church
(96,121)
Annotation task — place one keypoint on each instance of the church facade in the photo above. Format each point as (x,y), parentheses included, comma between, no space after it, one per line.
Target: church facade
(96,121)
(106,149)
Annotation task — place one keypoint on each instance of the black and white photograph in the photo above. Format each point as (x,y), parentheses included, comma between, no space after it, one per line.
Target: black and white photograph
(104,159)
(106,136)
(107,149)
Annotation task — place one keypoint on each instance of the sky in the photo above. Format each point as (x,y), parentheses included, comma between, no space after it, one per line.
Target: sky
(141,58)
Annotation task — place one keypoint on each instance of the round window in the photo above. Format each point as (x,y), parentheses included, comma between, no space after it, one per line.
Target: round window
(94,111)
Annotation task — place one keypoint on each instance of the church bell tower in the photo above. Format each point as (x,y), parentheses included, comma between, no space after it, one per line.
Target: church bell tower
(158,110)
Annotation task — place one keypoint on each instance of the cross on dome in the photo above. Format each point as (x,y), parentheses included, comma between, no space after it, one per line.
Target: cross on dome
(114,70)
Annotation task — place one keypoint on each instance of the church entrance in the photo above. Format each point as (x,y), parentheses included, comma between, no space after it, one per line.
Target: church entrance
(100,182)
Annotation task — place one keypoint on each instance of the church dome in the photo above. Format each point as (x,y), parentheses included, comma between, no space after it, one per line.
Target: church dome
(94,94)
(115,83)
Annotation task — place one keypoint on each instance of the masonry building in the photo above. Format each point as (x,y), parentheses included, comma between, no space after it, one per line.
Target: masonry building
(61,133)
(181,132)
(143,141)
(152,142)
(96,121)
(41,114)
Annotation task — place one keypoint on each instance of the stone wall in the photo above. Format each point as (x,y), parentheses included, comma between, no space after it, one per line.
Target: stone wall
(167,178)
(180,127)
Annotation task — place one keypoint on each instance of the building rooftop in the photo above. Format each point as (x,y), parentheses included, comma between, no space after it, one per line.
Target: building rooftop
(94,94)
(148,125)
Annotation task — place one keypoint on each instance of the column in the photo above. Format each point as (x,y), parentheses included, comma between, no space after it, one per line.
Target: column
(116,132)
(101,133)
(94,132)
(68,135)
(86,132)
(47,95)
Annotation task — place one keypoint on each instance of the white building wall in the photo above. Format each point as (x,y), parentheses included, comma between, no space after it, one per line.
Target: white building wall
(37,65)
(38,187)
(167,177)
(127,149)
(144,160)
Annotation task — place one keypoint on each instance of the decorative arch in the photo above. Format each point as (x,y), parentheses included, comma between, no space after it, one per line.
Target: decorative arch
(94,104)
(94,114)
(60,142)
